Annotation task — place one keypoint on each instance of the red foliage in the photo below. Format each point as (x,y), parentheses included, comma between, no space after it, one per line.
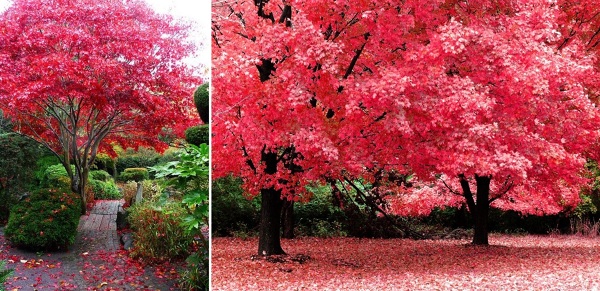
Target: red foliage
(82,75)
(511,263)
(426,87)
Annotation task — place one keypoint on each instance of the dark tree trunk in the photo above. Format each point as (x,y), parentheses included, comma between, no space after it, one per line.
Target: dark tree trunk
(287,219)
(269,242)
(480,233)
(480,210)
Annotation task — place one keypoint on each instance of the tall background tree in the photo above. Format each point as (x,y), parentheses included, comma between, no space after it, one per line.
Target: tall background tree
(478,99)
(79,76)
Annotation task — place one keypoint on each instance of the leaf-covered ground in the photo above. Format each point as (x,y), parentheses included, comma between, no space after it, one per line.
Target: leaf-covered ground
(85,266)
(510,263)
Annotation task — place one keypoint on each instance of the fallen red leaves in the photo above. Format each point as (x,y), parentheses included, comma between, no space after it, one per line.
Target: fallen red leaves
(512,262)
(93,270)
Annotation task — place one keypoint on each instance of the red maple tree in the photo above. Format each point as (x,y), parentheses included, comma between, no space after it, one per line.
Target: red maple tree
(80,76)
(461,94)
(498,103)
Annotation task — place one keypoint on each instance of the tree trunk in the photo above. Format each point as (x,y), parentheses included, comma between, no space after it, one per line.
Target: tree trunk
(269,242)
(480,230)
(287,219)
(78,185)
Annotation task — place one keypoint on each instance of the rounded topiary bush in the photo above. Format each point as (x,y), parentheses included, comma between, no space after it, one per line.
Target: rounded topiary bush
(202,101)
(134,174)
(46,220)
(197,135)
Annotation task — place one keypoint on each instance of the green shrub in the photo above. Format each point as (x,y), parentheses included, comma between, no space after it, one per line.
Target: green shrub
(197,135)
(4,274)
(42,164)
(100,175)
(230,210)
(55,171)
(46,220)
(105,190)
(190,176)
(106,163)
(134,174)
(17,172)
(319,217)
(202,101)
(142,158)
(159,235)
(56,176)
(170,155)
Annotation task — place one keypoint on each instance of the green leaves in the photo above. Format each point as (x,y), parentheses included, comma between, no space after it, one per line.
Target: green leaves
(190,175)
(4,274)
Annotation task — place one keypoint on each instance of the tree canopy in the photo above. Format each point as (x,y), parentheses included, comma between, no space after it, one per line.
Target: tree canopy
(464,95)
(79,76)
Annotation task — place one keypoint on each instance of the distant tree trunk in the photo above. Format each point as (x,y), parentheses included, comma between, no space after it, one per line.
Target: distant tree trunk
(480,210)
(287,219)
(269,242)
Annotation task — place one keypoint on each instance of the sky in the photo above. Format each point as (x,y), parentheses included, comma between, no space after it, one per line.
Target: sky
(196,11)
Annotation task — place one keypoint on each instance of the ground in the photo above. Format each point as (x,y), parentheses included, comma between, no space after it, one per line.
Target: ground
(510,263)
(96,261)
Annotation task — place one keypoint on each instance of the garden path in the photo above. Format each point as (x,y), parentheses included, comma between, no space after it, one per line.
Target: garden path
(95,261)
(98,230)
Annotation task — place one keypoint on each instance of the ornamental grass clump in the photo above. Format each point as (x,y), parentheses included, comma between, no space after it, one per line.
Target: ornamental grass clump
(158,233)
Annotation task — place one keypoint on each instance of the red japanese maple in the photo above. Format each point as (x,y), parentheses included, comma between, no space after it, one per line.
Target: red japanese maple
(460,94)
(78,76)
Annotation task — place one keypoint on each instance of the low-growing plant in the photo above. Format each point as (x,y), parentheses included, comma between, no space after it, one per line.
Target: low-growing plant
(585,227)
(56,176)
(106,163)
(158,231)
(233,214)
(190,175)
(100,175)
(141,158)
(151,190)
(105,190)
(4,274)
(134,174)
(46,220)
(42,164)
(321,228)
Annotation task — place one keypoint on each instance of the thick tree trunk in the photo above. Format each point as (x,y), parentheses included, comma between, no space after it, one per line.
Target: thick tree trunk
(269,242)
(287,219)
(480,230)
(481,209)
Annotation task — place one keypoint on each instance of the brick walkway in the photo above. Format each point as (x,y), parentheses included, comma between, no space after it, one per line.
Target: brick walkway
(98,230)
(94,262)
